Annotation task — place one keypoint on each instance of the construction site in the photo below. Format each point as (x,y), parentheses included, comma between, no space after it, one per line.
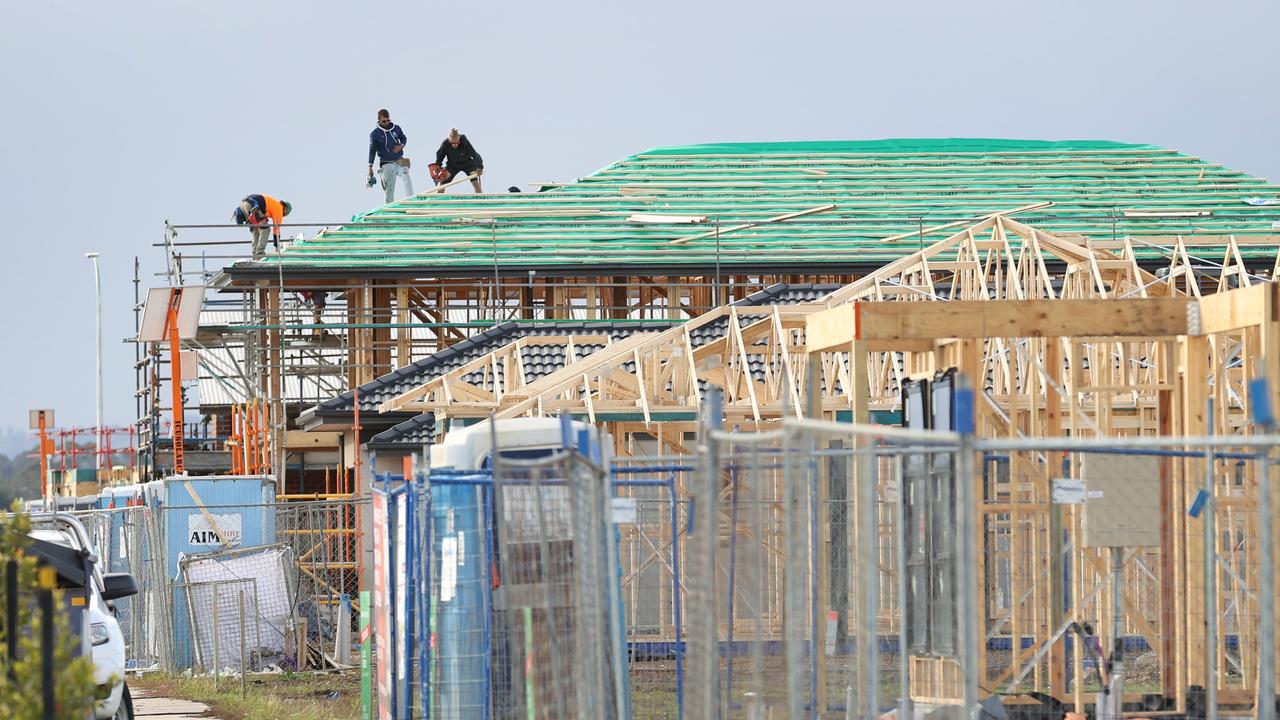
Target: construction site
(917,427)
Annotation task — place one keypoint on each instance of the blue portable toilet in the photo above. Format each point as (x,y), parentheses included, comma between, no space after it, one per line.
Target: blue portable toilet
(485,592)
(112,553)
(206,514)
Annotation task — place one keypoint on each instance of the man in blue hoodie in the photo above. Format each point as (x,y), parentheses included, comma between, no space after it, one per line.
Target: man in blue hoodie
(387,142)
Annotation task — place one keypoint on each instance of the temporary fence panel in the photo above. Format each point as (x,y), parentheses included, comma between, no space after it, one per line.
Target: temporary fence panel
(325,537)
(461,601)
(1118,572)
(218,626)
(405,633)
(157,622)
(130,539)
(506,593)
(653,523)
(797,604)
(268,576)
(1113,574)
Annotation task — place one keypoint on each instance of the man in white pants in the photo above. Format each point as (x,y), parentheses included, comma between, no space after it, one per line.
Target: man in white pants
(389,172)
(387,142)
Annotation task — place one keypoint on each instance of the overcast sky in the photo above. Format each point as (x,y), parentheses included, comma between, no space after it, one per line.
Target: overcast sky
(118,115)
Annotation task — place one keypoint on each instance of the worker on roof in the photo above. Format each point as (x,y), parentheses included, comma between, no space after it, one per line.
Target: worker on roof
(256,211)
(457,156)
(387,142)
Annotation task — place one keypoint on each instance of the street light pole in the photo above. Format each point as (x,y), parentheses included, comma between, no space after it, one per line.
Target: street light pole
(97,292)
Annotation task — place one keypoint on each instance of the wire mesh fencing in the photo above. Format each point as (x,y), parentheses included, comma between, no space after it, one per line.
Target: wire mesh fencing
(505,597)
(1129,574)
(268,576)
(225,635)
(316,562)
(836,570)
(649,509)
(797,604)
(812,570)
(326,539)
(131,539)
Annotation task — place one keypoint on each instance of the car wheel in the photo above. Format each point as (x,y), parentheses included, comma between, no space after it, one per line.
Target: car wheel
(125,711)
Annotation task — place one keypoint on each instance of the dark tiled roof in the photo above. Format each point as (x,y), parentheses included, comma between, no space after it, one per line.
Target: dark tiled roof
(376,392)
(421,430)
(411,433)
(538,360)
(789,294)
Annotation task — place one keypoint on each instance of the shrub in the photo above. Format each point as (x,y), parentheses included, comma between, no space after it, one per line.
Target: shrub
(21,687)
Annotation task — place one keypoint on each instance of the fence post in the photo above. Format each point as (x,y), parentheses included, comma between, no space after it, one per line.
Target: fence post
(705,668)
(1115,692)
(900,561)
(613,580)
(244,668)
(215,635)
(1210,577)
(868,558)
(11,615)
(1264,417)
(969,636)
(1266,599)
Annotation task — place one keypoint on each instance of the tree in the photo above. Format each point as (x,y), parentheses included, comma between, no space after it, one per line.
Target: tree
(19,479)
(20,682)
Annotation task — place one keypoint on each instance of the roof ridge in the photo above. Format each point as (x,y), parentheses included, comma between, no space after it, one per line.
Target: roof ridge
(904,145)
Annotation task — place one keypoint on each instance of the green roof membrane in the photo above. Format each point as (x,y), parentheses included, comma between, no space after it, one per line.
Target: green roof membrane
(629,213)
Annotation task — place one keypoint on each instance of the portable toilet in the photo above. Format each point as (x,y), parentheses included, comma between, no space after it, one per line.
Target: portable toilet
(206,514)
(490,620)
(117,530)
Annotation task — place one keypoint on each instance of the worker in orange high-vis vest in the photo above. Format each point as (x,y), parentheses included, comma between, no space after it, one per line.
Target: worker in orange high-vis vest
(256,211)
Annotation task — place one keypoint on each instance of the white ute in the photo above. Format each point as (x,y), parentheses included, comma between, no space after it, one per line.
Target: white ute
(114,701)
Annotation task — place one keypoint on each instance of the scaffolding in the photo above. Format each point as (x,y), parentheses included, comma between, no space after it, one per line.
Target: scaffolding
(298,335)
(268,342)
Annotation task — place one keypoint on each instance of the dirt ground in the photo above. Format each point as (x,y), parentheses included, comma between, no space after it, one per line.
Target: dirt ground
(653,687)
(269,696)
(653,683)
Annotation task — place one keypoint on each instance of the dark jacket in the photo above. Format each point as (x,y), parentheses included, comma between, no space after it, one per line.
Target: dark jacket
(463,156)
(381,141)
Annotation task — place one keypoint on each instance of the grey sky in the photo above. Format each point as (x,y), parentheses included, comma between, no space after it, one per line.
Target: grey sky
(119,115)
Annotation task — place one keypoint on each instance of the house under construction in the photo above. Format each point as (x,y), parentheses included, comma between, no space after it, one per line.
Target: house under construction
(668,234)
(1091,289)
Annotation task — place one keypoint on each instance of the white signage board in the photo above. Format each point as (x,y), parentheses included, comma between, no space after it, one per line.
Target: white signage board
(622,510)
(224,531)
(448,568)
(1067,491)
